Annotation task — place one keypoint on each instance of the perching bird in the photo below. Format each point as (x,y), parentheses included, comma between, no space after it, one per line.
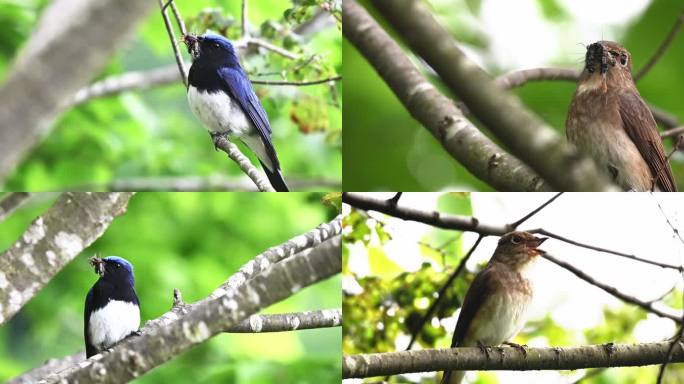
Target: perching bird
(610,122)
(495,306)
(221,96)
(112,309)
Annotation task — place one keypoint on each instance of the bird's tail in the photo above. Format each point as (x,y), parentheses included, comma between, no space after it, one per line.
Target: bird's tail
(452,377)
(276,178)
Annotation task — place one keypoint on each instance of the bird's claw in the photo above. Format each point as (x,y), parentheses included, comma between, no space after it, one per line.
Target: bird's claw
(484,349)
(215,136)
(521,348)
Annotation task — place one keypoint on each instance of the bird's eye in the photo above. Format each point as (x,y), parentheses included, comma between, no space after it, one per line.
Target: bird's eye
(516,239)
(118,265)
(623,59)
(216,45)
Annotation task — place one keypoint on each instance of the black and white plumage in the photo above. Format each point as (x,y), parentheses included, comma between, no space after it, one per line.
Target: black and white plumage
(112,309)
(221,96)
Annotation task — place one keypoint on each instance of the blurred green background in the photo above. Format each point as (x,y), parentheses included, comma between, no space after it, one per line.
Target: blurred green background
(153,133)
(410,159)
(193,242)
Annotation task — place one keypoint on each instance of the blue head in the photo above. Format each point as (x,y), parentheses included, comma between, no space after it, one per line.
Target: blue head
(211,49)
(114,269)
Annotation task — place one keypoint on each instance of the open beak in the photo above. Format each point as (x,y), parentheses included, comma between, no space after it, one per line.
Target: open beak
(98,264)
(192,42)
(535,242)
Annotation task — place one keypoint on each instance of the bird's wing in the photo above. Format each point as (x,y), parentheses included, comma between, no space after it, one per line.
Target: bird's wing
(479,291)
(237,85)
(641,128)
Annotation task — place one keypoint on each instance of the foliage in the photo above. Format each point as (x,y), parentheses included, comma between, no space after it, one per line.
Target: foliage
(384,310)
(153,133)
(193,242)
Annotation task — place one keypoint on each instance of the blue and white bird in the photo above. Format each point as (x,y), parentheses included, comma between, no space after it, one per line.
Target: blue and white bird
(221,96)
(112,309)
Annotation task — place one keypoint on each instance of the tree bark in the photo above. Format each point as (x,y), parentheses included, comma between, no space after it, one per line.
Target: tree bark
(507,358)
(51,241)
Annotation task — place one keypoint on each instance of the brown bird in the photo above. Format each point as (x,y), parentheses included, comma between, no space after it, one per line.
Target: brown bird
(610,122)
(495,306)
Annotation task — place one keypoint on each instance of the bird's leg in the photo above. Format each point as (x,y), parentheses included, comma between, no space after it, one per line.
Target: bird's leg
(521,348)
(483,348)
(215,136)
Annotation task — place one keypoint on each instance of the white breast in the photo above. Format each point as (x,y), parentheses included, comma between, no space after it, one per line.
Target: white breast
(218,112)
(111,323)
(503,317)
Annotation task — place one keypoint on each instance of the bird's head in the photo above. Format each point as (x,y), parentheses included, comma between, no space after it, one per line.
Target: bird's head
(114,269)
(606,65)
(210,48)
(518,248)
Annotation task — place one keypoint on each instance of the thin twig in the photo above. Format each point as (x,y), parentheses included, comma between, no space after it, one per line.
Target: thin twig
(611,290)
(604,250)
(243,162)
(139,80)
(676,340)
(662,48)
(172,36)
(395,199)
(266,45)
(667,220)
(298,83)
(672,132)
(443,289)
(517,223)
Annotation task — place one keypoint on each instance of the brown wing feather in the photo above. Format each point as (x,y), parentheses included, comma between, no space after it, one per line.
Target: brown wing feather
(478,292)
(641,128)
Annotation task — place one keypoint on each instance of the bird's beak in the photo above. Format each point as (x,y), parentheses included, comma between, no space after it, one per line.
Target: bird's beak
(535,242)
(593,57)
(192,42)
(98,264)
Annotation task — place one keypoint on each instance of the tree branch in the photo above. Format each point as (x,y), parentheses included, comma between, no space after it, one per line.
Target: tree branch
(527,136)
(521,77)
(673,132)
(544,232)
(662,48)
(44,76)
(172,36)
(51,241)
(233,152)
(436,112)
(161,341)
(668,313)
(507,358)
(254,267)
(523,219)
(245,32)
(52,365)
(200,184)
(273,255)
(285,322)
(472,224)
(11,202)
(434,218)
